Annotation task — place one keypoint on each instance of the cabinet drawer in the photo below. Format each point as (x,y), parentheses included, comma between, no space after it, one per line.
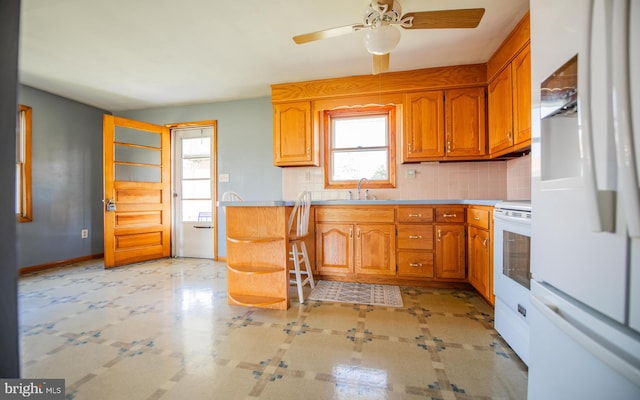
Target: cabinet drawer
(355,214)
(478,218)
(419,237)
(415,214)
(449,214)
(415,263)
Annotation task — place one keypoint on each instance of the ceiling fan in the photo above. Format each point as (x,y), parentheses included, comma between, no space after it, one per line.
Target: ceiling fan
(382,36)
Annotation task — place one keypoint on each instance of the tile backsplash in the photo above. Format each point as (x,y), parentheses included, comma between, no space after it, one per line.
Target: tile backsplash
(493,180)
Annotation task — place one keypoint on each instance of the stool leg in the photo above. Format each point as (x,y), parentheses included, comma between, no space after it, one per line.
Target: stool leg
(296,265)
(307,266)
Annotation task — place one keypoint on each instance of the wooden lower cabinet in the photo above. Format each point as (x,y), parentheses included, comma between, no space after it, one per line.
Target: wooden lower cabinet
(480,250)
(450,251)
(479,256)
(362,249)
(415,264)
(334,248)
(415,242)
(257,274)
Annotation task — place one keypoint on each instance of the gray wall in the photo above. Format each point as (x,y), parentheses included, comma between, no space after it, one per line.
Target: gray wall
(245,147)
(67,180)
(9,345)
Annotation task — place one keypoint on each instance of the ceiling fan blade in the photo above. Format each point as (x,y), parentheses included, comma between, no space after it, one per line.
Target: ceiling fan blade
(380,63)
(327,33)
(446,19)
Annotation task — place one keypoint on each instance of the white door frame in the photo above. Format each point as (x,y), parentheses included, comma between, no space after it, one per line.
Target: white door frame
(214,194)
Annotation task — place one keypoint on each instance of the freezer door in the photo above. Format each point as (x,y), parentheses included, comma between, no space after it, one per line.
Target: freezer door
(577,355)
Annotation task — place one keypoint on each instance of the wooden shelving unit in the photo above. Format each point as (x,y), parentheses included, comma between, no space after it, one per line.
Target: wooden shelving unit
(257,273)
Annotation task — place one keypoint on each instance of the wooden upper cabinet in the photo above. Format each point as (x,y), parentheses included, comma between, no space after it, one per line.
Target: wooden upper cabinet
(521,70)
(500,112)
(423,132)
(440,125)
(465,122)
(294,141)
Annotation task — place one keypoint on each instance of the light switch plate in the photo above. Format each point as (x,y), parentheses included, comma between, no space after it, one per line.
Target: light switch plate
(223,178)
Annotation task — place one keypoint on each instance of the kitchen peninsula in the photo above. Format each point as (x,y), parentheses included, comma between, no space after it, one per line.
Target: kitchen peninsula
(403,242)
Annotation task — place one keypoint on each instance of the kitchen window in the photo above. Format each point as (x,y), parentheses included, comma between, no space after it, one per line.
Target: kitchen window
(360,143)
(23,165)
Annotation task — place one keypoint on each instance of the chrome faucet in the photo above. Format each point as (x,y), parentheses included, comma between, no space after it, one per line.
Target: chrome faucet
(360,185)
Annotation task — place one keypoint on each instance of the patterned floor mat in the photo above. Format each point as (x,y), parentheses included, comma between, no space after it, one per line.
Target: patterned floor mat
(360,293)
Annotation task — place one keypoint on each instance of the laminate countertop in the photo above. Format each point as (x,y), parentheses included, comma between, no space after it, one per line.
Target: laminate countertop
(342,202)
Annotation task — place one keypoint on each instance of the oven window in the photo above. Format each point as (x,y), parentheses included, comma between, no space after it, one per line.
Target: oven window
(516,256)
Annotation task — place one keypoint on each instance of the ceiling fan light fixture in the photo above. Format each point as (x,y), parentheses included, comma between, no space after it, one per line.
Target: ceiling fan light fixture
(381,39)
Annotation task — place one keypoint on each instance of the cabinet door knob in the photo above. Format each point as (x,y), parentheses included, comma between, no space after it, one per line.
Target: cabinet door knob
(417,265)
(415,215)
(350,233)
(415,236)
(476,218)
(484,242)
(358,233)
(439,235)
(447,215)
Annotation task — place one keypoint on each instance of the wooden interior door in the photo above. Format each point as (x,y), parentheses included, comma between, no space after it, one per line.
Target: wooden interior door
(137,191)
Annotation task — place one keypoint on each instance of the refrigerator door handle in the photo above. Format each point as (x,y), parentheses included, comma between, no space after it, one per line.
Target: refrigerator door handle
(598,346)
(622,117)
(600,203)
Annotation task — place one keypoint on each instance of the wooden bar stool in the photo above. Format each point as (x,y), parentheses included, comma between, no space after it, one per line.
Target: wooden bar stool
(298,254)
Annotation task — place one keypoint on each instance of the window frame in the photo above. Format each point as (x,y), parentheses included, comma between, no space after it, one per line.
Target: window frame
(389,111)
(24,206)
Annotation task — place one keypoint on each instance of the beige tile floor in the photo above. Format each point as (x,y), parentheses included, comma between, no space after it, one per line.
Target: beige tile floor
(164,330)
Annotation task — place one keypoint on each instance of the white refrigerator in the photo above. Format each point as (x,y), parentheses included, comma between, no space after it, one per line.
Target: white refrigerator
(585,245)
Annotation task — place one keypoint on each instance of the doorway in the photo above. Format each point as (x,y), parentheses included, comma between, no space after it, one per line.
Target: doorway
(194,190)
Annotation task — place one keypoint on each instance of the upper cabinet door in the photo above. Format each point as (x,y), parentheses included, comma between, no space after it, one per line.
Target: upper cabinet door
(423,135)
(521,69)
(465,121)
(500,112)
(294,143)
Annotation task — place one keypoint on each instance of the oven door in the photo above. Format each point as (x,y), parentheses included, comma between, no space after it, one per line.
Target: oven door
(511,253)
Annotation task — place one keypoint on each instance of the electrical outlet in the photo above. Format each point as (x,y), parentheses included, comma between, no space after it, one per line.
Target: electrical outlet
(84,233)
(223,178)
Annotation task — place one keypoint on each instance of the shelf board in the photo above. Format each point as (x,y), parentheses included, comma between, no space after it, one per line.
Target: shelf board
(254,269)
(256,239)
(254,301)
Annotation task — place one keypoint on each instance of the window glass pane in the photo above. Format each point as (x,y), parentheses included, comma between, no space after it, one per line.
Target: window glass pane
(196,147)
(135,173)
(353,165)
(196,189)
(137,155)
(370,131)
(196,210)
(196,168)
(134,136)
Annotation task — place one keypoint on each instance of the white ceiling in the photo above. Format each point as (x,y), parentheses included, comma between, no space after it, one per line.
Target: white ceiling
(130,54)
